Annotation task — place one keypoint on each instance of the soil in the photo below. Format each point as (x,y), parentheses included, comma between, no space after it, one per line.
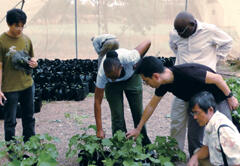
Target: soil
(52,120)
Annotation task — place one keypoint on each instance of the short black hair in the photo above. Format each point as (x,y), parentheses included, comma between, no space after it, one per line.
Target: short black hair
(149,65)
(15,16)
(204,100)
(111,62)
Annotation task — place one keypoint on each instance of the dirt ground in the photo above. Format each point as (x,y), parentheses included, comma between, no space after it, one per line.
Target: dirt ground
(52,120)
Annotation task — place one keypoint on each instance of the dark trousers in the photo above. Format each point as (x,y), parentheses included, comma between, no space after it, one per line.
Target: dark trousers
(25,98)
(196,132)
(133,91)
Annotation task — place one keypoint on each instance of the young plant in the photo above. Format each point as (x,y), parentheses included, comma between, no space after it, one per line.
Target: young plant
(37,151)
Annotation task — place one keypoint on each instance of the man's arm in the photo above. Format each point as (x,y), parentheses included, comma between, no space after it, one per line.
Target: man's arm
(172,44)
(97,111)
(223,42)
(212,78)
(2,97)
(143,47)
(146,115)
(201,154)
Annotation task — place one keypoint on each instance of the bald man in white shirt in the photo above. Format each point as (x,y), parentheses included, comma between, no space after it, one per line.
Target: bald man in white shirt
(193,41)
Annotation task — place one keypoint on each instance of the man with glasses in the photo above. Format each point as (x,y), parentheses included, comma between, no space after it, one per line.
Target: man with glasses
(184,81)
(204,109)
(193,41)
(115,77)
(16,85)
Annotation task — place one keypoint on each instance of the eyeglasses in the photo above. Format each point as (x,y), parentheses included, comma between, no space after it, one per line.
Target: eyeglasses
(184,30)
(195,113)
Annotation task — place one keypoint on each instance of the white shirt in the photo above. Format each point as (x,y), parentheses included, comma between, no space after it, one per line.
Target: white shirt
(202,47)
(229,138)
(128,59)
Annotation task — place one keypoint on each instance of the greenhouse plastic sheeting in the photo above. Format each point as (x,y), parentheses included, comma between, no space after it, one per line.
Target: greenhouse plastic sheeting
(51,23)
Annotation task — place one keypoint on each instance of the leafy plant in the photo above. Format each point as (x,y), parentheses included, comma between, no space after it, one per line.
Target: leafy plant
(38,151)
(121,151)
(234,85)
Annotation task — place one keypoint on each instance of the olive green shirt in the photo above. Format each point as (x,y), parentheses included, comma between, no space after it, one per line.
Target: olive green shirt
(12,79)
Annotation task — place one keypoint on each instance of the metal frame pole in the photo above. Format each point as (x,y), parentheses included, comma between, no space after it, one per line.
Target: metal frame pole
(186,5)
(76,32)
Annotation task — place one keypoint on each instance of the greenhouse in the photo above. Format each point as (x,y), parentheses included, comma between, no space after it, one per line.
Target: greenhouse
(87,113)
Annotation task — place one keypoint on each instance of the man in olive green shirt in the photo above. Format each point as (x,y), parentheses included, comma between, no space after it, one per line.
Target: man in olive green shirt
(16,85)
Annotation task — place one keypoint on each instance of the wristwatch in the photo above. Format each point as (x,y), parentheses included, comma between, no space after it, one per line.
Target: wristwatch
(229,95)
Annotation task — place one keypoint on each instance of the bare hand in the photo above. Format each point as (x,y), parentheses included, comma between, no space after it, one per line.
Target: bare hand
(33,63)
(193,161)
(2,97)
(233,103)
(133,133)
(100,134)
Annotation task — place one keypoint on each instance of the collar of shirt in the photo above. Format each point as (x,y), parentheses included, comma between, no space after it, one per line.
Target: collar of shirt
(199,27)
(211,123)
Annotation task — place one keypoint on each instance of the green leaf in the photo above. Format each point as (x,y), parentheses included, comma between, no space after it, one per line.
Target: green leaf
(79,159)
(94,127)
(46,160)
(131,163)
(164,159)
(142,156)
(91,147)
(168,164)
(154,160)
(182,156)
(28,161)
(51,150)
(107,142)
(108,162)
(14,163)
(3,154)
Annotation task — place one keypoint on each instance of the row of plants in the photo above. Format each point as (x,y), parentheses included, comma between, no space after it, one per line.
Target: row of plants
(40,150)
(119,151)
(234,85)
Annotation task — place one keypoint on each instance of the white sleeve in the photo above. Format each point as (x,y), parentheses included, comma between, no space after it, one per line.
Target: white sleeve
(101,80)
(172,43)
(205,139)
(222,40)
(128,56)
